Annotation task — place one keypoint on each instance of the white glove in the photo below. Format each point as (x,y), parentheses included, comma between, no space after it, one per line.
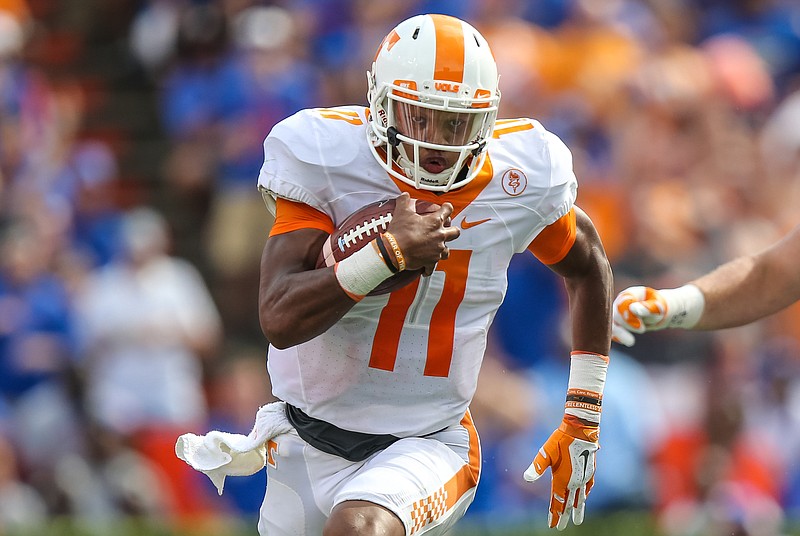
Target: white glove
(640,309)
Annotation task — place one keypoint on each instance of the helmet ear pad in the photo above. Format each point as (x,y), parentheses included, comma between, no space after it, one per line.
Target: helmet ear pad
(461,78)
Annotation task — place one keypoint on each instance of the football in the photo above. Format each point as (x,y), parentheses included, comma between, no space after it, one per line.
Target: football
(359,229)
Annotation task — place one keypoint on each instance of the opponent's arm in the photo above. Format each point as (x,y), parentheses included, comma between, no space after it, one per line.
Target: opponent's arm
(570,452)
(737,293)
(749,288)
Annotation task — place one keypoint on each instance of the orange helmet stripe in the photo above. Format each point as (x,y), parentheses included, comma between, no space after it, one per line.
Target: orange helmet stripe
(449,49)
(388,41)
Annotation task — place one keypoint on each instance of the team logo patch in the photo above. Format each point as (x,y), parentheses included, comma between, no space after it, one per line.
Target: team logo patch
(514,182)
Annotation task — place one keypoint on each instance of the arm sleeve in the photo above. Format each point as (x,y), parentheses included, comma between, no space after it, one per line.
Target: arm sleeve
(290,216)
(554,242)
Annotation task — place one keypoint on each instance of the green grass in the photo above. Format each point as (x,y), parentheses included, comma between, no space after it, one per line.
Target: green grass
(618,524)
(628,524)
(141,527)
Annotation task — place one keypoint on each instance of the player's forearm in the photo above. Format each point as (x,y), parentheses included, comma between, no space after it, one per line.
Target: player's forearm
(590,286)
(300,306)
(590,298)
(297,302)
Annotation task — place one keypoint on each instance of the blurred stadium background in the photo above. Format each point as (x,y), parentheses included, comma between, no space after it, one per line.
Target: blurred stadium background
(130,233)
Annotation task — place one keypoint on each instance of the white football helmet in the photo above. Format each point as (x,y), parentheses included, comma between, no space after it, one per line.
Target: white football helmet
(433,100)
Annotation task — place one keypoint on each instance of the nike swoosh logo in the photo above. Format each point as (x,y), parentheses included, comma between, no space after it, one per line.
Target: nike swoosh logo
(467,224)
(585,456)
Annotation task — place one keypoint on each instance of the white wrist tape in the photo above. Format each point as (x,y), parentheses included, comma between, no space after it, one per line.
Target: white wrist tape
(587,379)
(684,306)
(362,271)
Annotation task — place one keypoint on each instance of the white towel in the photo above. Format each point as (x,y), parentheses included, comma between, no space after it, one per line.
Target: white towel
(220,454)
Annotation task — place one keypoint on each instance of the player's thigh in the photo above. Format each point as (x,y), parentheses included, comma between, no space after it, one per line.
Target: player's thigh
(290,506)
(427,484)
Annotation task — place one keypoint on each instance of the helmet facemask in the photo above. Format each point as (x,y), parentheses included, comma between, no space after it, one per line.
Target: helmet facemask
(436,141)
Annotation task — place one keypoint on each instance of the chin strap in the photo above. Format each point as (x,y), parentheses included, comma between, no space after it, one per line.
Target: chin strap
(462,174)
(391,136)
(383,149)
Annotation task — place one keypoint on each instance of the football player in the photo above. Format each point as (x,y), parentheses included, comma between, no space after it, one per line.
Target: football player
(377,388)
(738,292)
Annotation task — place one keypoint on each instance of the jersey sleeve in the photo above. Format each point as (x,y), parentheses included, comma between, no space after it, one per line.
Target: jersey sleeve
(291,216)
(303,153)
(563,185)
(284,176)
(553,188)
(554,242)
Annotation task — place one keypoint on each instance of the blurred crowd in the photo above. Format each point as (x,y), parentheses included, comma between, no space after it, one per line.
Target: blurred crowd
(130,233)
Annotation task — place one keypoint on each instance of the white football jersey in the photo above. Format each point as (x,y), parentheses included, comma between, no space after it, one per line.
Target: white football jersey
(407,363)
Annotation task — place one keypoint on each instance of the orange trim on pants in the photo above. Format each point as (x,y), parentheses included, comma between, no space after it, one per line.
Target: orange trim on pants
(437,504)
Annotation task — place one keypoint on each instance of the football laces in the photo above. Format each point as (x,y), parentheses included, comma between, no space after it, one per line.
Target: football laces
(366,228)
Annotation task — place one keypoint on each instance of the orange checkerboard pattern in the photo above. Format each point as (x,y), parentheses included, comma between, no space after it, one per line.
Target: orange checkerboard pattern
(428,509)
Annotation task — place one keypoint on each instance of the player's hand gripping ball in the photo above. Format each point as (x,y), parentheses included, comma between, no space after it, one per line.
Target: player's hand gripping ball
(361,228)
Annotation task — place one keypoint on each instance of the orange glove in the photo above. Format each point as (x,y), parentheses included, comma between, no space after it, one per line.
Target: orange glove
(570,453)
(571,450)
(640,309)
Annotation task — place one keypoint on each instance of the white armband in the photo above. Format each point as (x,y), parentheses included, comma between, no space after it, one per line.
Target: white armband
(587,379)
(684,306)
(362,271)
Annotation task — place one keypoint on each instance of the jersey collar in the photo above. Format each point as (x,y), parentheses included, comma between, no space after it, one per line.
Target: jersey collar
(458,197)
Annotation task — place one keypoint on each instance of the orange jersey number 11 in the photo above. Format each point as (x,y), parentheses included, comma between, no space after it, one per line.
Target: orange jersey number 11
(443,319)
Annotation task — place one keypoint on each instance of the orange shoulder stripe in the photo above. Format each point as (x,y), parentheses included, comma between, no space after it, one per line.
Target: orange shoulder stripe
(555,240)
(291,216)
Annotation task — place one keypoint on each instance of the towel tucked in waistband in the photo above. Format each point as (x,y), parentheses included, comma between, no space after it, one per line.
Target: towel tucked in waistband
(221,454)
